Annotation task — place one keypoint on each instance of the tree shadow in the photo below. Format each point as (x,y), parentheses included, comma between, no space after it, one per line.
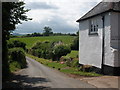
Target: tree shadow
(24,81)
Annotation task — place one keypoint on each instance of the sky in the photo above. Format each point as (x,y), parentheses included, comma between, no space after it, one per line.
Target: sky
(60,15)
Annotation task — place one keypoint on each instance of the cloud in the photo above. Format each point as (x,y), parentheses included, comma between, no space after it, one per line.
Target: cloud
(40,5)
(58,25)
(28,27)
(60,15)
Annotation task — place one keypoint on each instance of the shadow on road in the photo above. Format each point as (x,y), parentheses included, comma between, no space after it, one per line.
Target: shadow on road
(23,81)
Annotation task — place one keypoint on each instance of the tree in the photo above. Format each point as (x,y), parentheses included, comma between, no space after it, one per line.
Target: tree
(12,13)
(47,31)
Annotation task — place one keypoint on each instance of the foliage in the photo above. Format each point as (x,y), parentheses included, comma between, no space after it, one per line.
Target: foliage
(14,65)
(12,13)
(75,63)
(47,31)
(48,50)
(16,43)
(60,50)
(75,44)
(69,62)
(71,59)
(72,54)
(18,55)
(41,49)
(72,63)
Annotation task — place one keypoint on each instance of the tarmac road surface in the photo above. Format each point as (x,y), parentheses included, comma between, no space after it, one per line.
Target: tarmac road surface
(37,75)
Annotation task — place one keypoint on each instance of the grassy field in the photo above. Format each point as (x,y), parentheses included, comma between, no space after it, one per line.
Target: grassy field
(31,40)
(62,67)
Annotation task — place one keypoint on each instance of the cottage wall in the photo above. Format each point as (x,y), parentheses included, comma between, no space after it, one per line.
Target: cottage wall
(112,36)
(90,45)
(109,56)
(115,37)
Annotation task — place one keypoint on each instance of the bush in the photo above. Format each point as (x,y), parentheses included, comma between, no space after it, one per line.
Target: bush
(60,50)
(49,50)
(17,54)
(14,65)
(41,50)
(10,44)
(16,43)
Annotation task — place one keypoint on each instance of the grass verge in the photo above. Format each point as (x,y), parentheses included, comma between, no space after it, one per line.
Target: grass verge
(76,72)
(62,67)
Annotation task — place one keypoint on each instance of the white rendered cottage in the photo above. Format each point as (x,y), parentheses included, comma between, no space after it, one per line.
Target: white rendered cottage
(100,37)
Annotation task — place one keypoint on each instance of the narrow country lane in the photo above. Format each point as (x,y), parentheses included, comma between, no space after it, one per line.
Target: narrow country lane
(37,75)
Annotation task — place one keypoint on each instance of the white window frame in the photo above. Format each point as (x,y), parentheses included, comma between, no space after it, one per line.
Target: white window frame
(93,27)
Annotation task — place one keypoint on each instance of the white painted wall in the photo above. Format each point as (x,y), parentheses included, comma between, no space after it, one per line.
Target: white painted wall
(109,56)
(115,37)
(114,29)
(111,40)
(90,45)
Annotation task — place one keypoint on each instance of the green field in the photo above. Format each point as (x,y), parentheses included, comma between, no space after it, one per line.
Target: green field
(31,40)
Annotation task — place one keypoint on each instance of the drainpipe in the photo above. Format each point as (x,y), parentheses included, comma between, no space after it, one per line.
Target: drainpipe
(103,44)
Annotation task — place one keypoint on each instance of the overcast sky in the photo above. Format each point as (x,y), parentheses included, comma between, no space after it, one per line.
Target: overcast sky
(60,15)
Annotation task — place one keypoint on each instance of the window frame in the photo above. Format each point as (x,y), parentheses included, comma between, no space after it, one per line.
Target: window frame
(93,27)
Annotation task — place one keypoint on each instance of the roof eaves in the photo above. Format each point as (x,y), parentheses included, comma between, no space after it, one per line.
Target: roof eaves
(88,12)
(110,10)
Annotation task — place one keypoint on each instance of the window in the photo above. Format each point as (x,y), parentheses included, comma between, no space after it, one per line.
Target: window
(93,27)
